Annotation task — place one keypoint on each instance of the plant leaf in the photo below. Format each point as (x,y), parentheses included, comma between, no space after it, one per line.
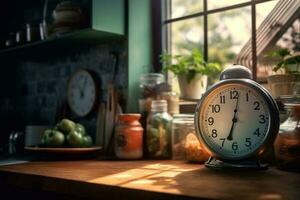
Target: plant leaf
(190,64)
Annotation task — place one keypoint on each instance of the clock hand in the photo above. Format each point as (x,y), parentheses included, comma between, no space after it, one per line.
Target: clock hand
(85,82)
(234,119)
(81,90)
(81,94)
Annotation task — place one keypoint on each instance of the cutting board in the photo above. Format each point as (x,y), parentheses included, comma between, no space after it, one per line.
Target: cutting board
(110,111)
(99,140)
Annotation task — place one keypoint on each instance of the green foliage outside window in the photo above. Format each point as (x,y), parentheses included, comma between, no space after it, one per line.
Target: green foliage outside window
(287,62)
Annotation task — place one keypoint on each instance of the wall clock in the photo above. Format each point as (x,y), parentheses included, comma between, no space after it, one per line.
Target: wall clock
(235,119)
(82,92)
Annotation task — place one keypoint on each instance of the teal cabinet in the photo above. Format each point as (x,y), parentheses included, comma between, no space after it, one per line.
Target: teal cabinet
(109,16)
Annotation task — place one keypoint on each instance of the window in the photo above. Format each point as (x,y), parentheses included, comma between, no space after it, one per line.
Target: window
(232,31)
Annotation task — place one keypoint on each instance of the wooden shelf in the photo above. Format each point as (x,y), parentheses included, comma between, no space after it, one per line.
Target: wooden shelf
(106,25)
(187,106)
(67,41)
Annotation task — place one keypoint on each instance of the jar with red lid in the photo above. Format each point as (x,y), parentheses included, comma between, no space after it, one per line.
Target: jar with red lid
(128,137)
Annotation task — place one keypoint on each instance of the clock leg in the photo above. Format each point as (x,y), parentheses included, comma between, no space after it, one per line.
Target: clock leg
(251,164)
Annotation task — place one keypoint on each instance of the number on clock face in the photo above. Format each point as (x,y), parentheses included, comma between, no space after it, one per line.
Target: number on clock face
(234,120)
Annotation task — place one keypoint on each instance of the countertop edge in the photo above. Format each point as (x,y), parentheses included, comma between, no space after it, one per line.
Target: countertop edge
(83,189)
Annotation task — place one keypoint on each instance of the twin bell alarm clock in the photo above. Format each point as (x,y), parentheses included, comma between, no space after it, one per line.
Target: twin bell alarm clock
(235,119)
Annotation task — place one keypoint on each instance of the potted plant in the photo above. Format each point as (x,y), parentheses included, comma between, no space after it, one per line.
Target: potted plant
(192,72)
(287,74)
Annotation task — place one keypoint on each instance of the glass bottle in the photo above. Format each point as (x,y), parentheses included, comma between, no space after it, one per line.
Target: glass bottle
(287,143)
(159,130)
(128,137)
(149,87)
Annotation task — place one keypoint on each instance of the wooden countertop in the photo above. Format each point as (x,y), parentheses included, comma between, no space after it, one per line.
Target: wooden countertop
(150,180)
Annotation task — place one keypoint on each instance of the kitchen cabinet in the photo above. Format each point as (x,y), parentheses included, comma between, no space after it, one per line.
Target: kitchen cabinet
(106,24)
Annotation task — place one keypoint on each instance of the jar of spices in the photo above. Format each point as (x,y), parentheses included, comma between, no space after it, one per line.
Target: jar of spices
(159,130)
(128,137)
(183,124)
(287,143)
(185,144)
(195,151)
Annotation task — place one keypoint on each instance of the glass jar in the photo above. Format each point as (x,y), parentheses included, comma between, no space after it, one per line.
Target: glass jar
(159,130)
(149,89)
(183,124)
(185,143)
(287,143)
(172,99)
(128,137)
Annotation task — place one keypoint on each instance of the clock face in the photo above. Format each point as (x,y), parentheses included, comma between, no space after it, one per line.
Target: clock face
(82,93)
(234,120)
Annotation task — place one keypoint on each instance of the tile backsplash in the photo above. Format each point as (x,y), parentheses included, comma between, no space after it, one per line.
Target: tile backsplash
(41,85)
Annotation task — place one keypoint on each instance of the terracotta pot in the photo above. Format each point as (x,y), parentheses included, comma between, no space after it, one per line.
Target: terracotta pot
(193,89)
(283,84)
(128,137)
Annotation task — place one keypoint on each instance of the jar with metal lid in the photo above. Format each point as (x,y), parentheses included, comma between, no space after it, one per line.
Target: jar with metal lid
(287,142)
(159,130)
(128,137)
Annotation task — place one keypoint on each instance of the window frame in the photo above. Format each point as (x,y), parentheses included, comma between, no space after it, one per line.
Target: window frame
(164,10)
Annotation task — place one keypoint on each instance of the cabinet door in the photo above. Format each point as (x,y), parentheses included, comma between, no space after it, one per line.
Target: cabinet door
(108,16)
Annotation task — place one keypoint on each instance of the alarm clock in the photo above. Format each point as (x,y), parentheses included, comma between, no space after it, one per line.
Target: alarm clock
(235,119)
(82,94)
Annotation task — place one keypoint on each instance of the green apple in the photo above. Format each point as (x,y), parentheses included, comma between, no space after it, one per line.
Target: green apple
(80,128)
(53,138)
(75,139)
(66,126)
(87,141)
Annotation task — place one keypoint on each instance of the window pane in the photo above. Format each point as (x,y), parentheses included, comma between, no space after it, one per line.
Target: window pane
(291,38)
(181,8)
(263,10)
(278,28)
(186,35)
(228,32)
(214,4)
(263,16)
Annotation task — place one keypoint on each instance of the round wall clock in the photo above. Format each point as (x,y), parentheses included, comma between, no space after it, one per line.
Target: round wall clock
(235,119)
(82,92)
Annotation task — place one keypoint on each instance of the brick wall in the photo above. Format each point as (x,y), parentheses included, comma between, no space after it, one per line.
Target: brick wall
(38,85)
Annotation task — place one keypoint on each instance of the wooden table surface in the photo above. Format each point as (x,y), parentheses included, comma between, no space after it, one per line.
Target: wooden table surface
(150,180)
